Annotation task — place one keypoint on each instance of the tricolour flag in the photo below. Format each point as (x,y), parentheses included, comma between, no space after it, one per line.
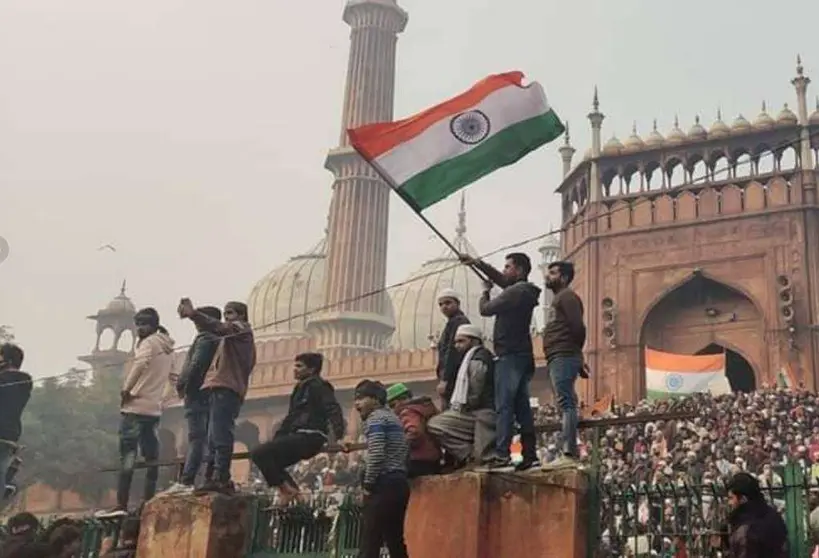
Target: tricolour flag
(671,375)
(437,152)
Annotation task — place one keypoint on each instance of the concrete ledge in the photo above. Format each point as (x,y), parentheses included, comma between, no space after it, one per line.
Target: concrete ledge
(498,515)
(211,526)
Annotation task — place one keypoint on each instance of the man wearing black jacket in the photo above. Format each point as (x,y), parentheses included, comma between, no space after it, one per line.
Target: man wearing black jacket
(304,431)
(197,407)
(449,302)
(15,391)
(512,343)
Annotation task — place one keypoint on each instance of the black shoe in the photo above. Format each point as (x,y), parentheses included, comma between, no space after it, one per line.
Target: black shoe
(527,464)
(216,487)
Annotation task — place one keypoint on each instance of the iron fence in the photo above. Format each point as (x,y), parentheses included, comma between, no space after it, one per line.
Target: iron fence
(318,529)
(681,519)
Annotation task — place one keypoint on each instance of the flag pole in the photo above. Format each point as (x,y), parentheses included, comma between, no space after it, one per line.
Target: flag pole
(422,217)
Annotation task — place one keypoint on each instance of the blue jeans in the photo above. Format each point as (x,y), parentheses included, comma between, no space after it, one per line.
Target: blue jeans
(225,405)
(564,371)
(137,433)
(513,373)
(197,411)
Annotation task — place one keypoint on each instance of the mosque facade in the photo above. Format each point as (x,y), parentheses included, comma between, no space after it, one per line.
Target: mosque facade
(699,242)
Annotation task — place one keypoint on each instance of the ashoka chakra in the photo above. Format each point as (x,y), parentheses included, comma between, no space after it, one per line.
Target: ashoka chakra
(470,127)
(674,382)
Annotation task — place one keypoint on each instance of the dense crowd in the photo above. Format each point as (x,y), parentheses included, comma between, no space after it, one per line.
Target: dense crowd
(755,432)
(25,536)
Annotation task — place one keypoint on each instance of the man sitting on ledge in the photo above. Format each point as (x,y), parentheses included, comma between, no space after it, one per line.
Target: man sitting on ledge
(466,431)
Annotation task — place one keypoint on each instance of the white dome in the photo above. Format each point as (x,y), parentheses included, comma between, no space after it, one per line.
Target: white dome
(282,302)
(418,321)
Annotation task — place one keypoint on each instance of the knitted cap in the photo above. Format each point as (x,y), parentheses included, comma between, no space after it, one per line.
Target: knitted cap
(449,293)
(469,330)
(395,391)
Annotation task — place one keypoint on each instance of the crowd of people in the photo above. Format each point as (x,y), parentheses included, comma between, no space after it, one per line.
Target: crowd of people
(482,399)
(26,537)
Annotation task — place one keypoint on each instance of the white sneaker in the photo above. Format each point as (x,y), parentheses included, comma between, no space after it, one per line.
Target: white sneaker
(562,462)
(111,514)
(178,488)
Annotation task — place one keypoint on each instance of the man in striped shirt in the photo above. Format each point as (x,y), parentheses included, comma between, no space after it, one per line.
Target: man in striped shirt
(386,489)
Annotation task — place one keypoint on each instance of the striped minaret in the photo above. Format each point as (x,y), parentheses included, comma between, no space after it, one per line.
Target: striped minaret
(356,320)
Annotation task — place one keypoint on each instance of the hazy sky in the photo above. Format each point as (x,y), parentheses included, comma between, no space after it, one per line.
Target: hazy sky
(191,134)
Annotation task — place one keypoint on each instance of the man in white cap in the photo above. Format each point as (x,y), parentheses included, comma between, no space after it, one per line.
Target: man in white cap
(449,302)
(466,431)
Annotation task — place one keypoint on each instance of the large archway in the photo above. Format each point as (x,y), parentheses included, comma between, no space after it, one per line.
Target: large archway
(738,370)
(704,316)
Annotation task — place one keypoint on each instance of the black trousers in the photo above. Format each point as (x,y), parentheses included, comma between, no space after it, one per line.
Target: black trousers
(384,513)
(274,457)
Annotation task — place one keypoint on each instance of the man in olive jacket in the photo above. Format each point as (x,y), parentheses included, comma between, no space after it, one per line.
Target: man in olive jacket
(196,402)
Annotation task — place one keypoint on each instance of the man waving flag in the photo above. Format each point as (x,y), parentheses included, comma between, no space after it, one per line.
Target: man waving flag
(435,153)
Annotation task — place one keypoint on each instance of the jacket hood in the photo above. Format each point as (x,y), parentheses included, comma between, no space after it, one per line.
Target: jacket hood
(165,342)
(422,405)
(531,290)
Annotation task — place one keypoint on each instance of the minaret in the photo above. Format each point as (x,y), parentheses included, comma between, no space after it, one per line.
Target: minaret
(596,118)
(354,322)
(549,252)
(118,318)
(801,82)
(567,152)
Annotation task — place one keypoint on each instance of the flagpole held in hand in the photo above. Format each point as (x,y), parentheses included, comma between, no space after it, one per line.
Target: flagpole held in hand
(385,177)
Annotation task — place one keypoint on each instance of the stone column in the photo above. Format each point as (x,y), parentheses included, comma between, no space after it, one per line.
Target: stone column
(359,210)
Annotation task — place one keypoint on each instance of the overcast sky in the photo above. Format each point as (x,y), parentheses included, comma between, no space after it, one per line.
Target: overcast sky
(191,134)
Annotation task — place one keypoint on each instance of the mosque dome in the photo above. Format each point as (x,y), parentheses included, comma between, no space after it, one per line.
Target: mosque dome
(283,301)
(697,132)
(655,138)
(418,321)
(120,305)
(764,120)
(676,135)
(786,117)
(719,129)
(613,146)
(814,118)
(634,142)
(740,124)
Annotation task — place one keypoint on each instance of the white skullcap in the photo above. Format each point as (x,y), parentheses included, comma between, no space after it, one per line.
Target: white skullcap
(469,330)
(449,293)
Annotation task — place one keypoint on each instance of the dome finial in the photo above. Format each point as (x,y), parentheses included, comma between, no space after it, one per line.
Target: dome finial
(719,113)
(460,230)
(122,289)
(634,128)
(655,125)
(764,106)
(676,121)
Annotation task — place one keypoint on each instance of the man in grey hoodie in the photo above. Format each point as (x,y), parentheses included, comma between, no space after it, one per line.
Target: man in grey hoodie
(512,343)
(141,405)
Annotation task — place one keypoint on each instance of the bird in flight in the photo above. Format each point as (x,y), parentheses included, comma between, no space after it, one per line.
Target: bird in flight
(106,247)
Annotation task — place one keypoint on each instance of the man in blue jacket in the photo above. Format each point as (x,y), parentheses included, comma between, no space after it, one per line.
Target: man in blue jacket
(197,408)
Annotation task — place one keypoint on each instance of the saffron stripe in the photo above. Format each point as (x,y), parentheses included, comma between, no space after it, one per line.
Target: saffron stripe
(373,140)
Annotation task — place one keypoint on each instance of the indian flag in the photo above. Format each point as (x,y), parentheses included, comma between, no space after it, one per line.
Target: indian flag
(670,375)
(435,153)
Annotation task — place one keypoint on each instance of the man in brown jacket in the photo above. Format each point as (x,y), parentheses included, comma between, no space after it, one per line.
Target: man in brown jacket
(226,382)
